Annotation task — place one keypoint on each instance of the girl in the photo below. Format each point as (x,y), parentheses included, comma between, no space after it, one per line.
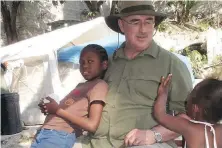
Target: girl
(81,108)
(204,107)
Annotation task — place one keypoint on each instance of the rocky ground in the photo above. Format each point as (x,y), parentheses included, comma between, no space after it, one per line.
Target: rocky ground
(19,140)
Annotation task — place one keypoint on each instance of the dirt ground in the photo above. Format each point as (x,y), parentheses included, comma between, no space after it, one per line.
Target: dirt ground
(19,140)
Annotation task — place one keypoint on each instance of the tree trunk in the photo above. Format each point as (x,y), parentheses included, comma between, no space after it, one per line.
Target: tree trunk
(93,5)
(9,20)
(114,8)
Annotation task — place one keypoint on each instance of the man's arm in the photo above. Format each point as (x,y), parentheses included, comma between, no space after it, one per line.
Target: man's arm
(181,86)
(147,137)
(166,133)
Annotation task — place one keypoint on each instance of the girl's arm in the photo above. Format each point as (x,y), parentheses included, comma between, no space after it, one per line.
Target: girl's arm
(175,123)
(96,96)
(90,124)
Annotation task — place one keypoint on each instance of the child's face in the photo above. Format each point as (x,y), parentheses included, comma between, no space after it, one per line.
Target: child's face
(90,65)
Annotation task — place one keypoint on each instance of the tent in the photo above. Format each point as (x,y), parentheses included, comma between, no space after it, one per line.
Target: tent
(44,65)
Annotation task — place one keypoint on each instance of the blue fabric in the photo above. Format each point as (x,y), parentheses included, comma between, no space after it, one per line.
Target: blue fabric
(47,138)
(187,63)
(71,54)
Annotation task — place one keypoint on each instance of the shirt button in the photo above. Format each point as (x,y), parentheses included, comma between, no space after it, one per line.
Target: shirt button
(113,106)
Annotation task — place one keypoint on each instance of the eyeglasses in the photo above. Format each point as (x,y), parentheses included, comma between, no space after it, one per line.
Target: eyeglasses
(148,22)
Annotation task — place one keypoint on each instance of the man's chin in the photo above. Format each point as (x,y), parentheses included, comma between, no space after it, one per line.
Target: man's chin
(142,48)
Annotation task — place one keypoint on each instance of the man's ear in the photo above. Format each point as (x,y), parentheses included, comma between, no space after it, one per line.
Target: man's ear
(105,65)
(120,23)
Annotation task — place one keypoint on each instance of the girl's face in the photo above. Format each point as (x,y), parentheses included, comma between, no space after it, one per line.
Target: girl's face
(91,66)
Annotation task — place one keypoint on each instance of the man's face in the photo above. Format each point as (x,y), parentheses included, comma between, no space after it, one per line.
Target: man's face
(138,30)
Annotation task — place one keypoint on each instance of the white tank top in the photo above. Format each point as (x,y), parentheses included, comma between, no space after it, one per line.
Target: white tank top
(205,131)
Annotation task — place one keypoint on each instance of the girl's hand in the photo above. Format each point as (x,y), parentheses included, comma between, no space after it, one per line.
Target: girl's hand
(42,107)
(51,107)
(164,86)
(160,103)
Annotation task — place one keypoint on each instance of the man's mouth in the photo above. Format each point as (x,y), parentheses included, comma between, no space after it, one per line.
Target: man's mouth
(141,37)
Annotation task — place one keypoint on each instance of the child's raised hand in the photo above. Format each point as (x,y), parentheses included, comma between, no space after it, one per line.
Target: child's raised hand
(160,103)
(164,85)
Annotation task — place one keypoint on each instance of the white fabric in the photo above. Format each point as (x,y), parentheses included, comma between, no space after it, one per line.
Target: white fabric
(52,41)
(205,131)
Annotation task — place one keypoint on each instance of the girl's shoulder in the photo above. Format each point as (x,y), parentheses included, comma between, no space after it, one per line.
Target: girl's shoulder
(218,128)
(97,83)
(100,83)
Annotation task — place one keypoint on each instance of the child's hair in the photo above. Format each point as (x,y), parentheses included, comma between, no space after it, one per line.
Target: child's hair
(101,52)
(208,95)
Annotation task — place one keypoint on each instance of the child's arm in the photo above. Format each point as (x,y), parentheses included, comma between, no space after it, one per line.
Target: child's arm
(95,109)
(90,124)
(174,123)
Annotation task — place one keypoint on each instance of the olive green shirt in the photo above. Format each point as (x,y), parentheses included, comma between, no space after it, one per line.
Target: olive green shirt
(133,86)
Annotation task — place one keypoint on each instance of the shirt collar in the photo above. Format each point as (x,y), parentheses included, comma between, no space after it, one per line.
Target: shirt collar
(152,51)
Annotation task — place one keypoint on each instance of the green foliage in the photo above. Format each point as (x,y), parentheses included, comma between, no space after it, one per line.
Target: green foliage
(172,49)
(204,25)
(162,27)
(89,15)
(198,61)
(216,69)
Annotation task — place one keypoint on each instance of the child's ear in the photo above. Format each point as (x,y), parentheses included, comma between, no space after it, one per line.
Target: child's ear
(196,111)
(105,65)
(195,108)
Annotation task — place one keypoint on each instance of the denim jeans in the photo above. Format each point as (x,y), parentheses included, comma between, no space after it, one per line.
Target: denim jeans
(47,138)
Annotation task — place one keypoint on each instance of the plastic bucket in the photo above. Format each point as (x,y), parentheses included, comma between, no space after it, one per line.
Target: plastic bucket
(10,114)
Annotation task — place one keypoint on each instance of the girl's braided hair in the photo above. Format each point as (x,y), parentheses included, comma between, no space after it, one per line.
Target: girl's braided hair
(101,51)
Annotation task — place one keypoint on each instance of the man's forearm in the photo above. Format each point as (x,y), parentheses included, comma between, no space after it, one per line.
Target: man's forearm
(167,134)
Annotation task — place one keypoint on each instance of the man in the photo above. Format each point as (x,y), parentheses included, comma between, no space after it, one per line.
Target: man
(133,78)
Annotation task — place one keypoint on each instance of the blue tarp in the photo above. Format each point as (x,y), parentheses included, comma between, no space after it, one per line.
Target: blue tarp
(71,54)
(110,43)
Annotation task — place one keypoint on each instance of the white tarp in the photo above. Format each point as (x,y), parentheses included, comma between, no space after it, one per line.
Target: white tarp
(214,44)
(52,41)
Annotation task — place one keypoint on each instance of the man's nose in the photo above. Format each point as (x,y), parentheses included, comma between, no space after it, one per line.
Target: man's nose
(143,27)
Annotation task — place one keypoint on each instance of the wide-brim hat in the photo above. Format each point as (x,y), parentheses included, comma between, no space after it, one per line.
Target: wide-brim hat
(128,8)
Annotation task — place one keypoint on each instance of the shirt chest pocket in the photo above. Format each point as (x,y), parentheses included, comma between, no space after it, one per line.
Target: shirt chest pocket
(145,87)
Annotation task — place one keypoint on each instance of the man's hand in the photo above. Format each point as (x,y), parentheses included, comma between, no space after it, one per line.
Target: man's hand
(139,137)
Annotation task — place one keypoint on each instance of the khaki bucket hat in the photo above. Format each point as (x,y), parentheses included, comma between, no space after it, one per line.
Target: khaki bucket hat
(128,8)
